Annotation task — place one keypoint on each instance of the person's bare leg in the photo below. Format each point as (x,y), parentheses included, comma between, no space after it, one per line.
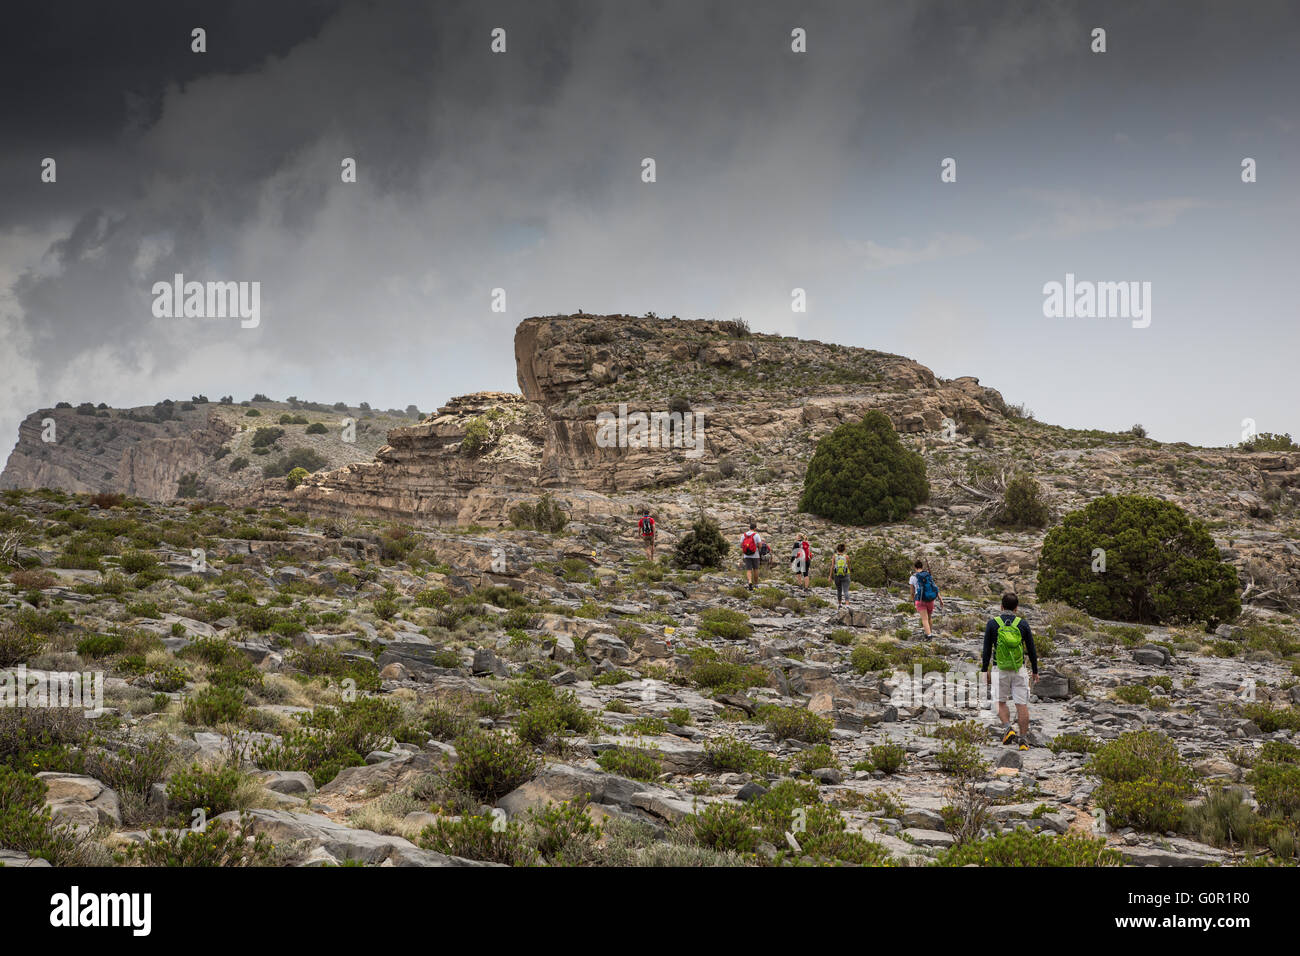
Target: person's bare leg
(925,621)
(1022,718)
(1004,715)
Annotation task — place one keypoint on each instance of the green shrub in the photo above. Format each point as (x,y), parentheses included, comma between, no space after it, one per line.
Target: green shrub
(866,658)
(730,754)
(787,723)
(1270,719)
(218,844)
(307,459)
(1143,781)
(1074,743)
(961,759)
(639,763)
(101,645)
(1267,441)
(888,758)
(788,808)
(331,738)
(491,764)
(214,705)
(544,514)
(197,787)
(702,546)
(723,828)
(480,838)
(1224,819)
(877,566)
(1022,848)
(1022,504)
(1161,566)
(1276,779)
(861,474)
(721,674)
(18,644)
(133,769)
(295,477)
(815,757)
(25,822)
(1133,694)
(267,435)
(564,834)
(133,562)
(544,723)
(44,738)
(725,623)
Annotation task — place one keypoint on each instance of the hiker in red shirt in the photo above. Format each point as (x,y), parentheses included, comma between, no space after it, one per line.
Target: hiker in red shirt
(646,528)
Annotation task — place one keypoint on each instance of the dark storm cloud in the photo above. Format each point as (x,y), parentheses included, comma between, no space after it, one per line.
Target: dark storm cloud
(521,171)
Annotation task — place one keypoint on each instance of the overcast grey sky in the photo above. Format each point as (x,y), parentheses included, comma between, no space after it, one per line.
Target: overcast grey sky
(775,170)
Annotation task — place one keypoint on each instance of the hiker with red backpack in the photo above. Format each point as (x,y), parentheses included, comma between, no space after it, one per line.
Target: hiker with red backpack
(924,593)
(801,561)
(646,528)
(751,546)
(1008,640)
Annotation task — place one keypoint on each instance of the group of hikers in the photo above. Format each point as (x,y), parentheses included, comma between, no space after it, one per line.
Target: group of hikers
(1008,640)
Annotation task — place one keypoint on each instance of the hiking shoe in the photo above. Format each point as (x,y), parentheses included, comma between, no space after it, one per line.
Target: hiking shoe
(1009,736)
(1024,743)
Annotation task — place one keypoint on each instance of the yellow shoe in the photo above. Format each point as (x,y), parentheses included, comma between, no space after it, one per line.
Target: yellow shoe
(1009,736)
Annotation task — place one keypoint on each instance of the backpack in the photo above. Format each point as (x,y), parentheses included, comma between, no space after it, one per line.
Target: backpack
(647,525)
(841,565)
(925,588)
(747,544)
(1010,651)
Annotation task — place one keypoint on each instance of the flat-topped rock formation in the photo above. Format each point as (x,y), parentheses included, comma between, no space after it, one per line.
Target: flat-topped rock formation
(710,393)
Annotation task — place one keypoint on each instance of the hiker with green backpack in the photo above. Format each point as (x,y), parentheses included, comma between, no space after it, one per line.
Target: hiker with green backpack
(1007,640)
(924,593)
(840,574)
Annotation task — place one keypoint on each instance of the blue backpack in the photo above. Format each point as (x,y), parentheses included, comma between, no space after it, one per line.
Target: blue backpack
(925,589)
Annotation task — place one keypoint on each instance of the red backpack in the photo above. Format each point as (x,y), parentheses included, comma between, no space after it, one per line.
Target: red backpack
(747,544)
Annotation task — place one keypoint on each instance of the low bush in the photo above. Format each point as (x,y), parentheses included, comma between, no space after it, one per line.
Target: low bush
(1022,848)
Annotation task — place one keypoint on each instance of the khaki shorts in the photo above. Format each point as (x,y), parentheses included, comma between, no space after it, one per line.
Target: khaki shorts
(1011,685)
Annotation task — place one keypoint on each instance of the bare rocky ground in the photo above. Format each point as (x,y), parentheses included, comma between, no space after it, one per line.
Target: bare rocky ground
(360,692)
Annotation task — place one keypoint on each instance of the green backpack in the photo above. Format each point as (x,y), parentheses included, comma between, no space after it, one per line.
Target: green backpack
(841,565)
(1010,651)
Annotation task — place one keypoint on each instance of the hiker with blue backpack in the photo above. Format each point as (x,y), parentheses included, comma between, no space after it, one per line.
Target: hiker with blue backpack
(924,593)
(1007,641)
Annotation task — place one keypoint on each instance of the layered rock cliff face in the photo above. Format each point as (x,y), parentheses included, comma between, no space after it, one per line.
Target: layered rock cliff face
(147,451)
(108,450)
(425,474)
(712,396)
(755,394)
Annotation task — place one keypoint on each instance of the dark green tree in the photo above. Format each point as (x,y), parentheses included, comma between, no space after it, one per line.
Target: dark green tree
(1160,565)
(703,545)
(1022,504)
(861,474)
(878,566)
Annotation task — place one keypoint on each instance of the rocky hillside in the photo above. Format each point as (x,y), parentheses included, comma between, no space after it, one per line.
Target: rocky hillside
(766,401)
(148,451)
(361,692)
